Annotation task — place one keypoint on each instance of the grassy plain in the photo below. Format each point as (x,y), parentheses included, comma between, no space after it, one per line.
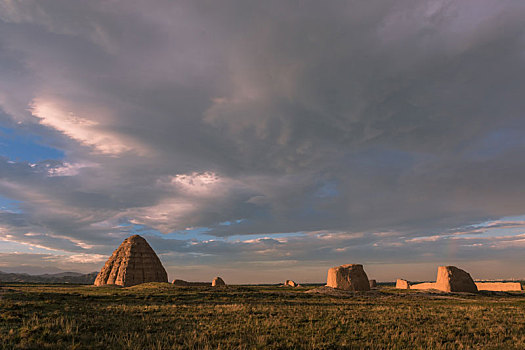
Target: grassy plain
(162,316)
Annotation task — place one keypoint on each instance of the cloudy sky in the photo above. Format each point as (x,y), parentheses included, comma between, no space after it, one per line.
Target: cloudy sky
(264,140)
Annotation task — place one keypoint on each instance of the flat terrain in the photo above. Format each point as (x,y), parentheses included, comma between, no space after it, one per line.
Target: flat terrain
(162,316)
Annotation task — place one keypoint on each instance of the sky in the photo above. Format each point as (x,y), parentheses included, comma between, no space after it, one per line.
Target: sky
(264,140)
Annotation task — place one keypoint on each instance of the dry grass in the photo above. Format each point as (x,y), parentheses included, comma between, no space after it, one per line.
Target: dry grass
(161,316)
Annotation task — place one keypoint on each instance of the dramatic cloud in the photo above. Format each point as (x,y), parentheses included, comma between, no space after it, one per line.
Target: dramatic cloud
(313,133)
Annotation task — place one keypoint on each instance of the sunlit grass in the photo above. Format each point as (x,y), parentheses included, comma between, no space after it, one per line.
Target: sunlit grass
(161,316)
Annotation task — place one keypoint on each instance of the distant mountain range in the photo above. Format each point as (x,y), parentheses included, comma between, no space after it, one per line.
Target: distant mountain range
(62,277)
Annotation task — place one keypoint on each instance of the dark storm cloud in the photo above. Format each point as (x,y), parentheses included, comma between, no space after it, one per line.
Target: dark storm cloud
(348,117)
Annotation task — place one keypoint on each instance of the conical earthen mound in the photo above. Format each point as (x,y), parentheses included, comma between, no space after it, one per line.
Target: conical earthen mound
(134,262)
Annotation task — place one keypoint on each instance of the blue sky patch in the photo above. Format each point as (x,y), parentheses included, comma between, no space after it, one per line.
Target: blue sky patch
(22,147)
(10,205)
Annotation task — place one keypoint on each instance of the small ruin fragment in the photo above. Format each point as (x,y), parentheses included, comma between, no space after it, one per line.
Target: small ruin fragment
(499,286)
(348,277)
(218,282)
(290,283)
(402,284)
(452,279)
